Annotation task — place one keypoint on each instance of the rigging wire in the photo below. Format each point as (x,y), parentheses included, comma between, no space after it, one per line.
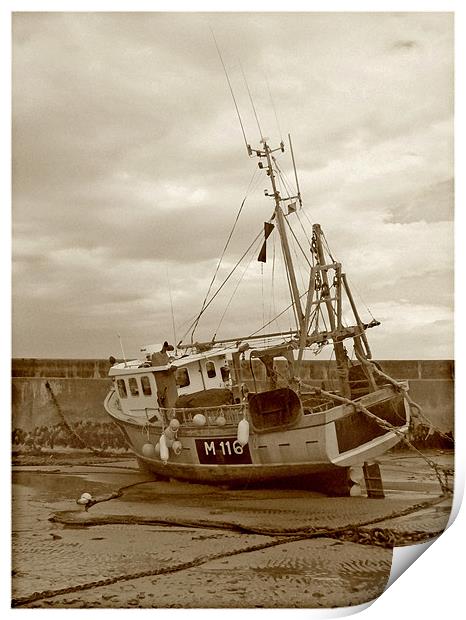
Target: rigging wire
(274,109)
(328,247)
(286,182)
(297,241)
(303,229)
(303,210)
(354,288)
(300,268)
(232,93)
(254,251)
(223,254)
(252,102)
(352,285)
(194,324)
(298,262)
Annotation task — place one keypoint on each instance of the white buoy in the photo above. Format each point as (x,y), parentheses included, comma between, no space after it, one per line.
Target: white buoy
(164,454)
(174,424)
(243,432)
(148,450)
(220,421)
(199,419)
(87,496)
(177,447)
(82,501)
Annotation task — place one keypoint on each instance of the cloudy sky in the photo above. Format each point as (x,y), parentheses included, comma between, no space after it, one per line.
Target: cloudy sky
(129,168)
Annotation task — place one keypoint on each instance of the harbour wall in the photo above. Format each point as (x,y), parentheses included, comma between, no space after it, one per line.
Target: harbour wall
(47,391)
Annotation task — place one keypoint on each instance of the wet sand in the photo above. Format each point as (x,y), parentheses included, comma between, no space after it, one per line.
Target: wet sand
(171,544)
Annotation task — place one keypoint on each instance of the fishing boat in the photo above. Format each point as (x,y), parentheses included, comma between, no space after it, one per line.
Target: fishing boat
(189,412)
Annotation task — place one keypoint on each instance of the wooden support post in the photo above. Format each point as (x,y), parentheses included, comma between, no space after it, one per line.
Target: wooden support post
(373,480)
(367,369)
(356,316)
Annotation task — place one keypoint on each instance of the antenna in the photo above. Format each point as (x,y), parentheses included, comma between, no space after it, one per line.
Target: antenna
(121,347)
(248,148)
(171,307)
(274,109)
(252,102)
(295,173)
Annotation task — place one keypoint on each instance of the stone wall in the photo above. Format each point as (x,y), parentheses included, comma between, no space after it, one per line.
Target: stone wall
(80,387)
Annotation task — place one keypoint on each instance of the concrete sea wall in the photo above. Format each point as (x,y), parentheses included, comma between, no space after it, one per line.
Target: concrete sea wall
(79,387)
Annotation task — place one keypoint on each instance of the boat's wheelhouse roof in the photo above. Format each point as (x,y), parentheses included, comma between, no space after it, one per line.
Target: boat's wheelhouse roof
(141,366)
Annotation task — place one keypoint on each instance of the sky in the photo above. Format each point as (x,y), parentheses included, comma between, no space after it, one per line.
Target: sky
(129,169)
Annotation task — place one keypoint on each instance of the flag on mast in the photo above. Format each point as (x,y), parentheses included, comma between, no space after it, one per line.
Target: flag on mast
(262,258)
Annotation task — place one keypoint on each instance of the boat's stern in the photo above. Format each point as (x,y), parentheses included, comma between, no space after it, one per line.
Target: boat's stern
(356,436)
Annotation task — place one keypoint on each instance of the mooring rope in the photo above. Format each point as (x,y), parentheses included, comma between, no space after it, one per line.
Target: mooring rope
(70,428)
(438,469)
(400,387)
(381,537)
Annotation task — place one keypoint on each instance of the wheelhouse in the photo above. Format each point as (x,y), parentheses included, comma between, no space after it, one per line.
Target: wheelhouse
(142,388)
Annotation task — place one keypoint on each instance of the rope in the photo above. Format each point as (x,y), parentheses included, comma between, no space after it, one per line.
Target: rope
(37,596)
(382,537)
(383,424)
(69,427)
(441,473)
(302,533)
(401,388)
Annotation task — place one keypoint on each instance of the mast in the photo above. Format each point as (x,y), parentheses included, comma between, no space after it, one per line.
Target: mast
(319,287)
(280,219)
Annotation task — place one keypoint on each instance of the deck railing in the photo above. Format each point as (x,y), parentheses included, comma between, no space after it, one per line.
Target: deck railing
(232,414)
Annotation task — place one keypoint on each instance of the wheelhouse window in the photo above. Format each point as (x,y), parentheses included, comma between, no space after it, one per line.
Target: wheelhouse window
(133,386)
(145,384)
(121,385)
(182,377)
(225,373)
(210,370)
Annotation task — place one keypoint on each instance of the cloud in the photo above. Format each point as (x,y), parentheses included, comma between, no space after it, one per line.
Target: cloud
(128,162)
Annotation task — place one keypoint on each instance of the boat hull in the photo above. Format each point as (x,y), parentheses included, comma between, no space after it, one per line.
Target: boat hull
(321,444)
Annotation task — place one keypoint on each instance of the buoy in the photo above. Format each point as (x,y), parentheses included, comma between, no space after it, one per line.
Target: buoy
(220,421)
(174,424)
(148,450)
(87,496)
(243,432)
(163,449)
(82,501)
(177,447)
(199,419)
(170,436)
(169,433)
